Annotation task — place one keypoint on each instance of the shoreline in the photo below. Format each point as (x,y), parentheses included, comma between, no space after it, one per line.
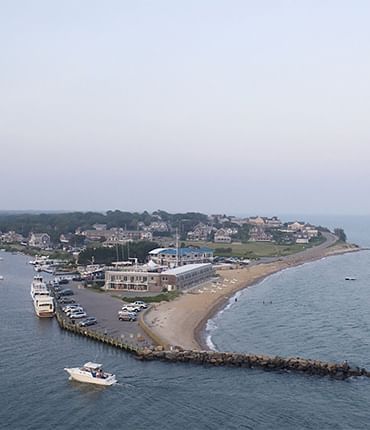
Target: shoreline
(200,331)
(183,321)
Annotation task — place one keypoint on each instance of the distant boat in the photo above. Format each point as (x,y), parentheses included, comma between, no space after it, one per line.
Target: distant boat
(1,277)
(91,373)
(349,278)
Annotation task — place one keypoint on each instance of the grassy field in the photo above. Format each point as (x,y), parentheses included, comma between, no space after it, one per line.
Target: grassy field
(254,249)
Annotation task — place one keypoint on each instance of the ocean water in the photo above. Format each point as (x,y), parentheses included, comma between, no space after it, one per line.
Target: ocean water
(308,311)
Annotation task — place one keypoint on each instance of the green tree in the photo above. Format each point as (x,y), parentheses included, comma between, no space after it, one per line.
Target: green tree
(341,234)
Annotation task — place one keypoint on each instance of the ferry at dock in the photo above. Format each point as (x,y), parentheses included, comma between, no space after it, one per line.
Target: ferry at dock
(43,302)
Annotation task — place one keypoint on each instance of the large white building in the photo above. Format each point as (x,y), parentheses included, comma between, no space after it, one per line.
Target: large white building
(173,257)
(180,278)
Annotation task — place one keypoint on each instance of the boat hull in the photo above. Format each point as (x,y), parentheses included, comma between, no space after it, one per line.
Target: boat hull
(45,314)
(84,377)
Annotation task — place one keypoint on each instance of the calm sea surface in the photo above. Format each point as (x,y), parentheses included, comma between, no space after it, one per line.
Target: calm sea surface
(308,311)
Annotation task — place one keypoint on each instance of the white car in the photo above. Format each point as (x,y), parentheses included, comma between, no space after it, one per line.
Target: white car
(70,307)
(142,305)
(127,316)
(74,310)
(77,315)
(131,308)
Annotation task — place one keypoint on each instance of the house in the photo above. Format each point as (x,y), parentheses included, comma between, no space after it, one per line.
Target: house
(273,222)
(301,238)
(65,238)
(258,234)
(146,235)
(11,237)
(100,227)
(219,238)
(296,226)
(256,220)
(120,236)
(39,240)
(200,232)
(223,235)
(160,226)
(311,231)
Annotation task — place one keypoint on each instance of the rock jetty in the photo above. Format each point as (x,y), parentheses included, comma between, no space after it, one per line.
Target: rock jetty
(215,358)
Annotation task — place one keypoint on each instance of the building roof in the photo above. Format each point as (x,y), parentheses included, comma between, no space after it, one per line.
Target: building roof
(183,269)
(181,251)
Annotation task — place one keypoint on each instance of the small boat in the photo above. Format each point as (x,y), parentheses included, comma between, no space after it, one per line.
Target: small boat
(1,277)
(91,373)
(349,278)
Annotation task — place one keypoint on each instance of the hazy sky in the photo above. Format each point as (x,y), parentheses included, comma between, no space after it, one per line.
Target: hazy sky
(217,106)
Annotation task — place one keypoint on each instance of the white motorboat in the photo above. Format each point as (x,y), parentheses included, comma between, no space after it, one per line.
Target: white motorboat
(91,373)
(1,277)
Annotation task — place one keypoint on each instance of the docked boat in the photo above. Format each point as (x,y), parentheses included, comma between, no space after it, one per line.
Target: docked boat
(44,306)
(38,287)
(91,373)
(43,302)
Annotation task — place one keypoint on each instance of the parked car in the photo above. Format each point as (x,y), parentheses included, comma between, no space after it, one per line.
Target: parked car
(74,310)
(141,304)
(68,307)
(127,316)
(77,315)
(66,292)
(131,308)
(63,281)
(66,300)
(88,321)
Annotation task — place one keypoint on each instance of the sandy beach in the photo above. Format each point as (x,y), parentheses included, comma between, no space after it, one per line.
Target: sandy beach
(182,321)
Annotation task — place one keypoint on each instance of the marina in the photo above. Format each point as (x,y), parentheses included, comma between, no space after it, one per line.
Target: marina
(189,384)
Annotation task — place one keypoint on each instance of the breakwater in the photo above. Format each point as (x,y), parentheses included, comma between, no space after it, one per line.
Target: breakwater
(215,358)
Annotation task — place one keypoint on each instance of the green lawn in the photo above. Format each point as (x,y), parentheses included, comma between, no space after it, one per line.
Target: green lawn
(254,249)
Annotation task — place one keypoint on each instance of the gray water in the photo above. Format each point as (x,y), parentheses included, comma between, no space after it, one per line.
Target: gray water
(314,313)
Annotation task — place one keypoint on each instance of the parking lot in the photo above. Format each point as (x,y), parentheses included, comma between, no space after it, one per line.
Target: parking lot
(105,308)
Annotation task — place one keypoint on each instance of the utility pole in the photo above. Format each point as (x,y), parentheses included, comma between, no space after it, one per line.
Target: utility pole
(177,247)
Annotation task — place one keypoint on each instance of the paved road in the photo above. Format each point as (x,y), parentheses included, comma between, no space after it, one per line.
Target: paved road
(307,254)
